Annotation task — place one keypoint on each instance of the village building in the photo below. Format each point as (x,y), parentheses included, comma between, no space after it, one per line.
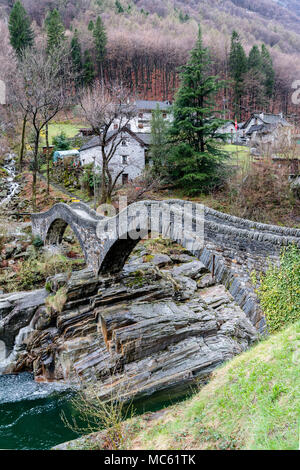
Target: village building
(129,159)
(141,123)
(266,130)
(228,128)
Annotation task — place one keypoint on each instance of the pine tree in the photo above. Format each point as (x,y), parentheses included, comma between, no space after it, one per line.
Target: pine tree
(254,59)
(255,80)
(91,25)
(196,155)
(21,34)
(158,148)
(100,41)
(119,7)
(55,30)
(88,69)
(268,70)
(238,68)
(76,57)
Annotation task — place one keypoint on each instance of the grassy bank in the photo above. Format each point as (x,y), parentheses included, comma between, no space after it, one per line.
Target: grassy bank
(251,403)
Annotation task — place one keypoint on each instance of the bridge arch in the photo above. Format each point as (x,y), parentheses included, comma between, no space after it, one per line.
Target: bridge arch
(230,247)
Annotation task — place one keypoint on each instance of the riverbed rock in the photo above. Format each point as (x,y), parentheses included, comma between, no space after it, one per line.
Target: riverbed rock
(192,269)
(161,260)
(142,332)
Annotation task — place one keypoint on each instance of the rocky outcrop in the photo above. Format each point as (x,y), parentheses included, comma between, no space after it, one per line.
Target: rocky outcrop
(146,331)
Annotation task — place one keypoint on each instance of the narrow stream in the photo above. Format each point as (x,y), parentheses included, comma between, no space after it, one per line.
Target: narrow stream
(10,167)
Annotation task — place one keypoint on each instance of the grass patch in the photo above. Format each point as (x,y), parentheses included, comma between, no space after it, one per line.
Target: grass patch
(56,128)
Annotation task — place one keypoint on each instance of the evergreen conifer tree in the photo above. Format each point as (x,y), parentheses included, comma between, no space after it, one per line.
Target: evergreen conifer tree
(268,70)
(196,155)
(55,30)
(100,41)
(254,59)
(238,68)
(88,69)
(255,80)
(158,148)
(76,57)
(21,34)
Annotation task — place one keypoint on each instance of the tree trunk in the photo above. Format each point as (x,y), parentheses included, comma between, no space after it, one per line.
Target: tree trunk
(48,160)
(103,183)
(34,171)
(22,142)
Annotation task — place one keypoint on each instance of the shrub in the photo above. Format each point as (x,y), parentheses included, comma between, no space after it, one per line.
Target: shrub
(61,142)
(279,291)
(57,301)
(37,242)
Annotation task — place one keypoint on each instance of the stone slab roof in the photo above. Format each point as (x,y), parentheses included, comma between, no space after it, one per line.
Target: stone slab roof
(151,105)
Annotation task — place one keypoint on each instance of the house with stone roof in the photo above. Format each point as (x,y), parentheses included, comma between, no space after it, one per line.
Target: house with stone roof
(129,159)
(141,123)
(266,129)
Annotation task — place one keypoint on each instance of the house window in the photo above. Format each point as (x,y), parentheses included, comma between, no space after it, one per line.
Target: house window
(124,159)
(124,143)
(115,126)
(124,178)
(141,126)
(141,115)
(164,115)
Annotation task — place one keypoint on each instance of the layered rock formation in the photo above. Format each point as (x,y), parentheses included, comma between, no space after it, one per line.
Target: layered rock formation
(162,324)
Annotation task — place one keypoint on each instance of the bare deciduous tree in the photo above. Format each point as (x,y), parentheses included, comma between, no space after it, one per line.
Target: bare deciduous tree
(44,88)
(105,106)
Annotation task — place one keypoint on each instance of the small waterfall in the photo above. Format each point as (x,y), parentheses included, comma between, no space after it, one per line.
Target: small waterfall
(13,186)
(7,362)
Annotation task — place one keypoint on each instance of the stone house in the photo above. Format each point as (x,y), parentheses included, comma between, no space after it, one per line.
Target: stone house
(141,123)
(129,159)
(266,130)
(228,128)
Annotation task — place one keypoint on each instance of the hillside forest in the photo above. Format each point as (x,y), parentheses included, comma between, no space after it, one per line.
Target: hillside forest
(144,43)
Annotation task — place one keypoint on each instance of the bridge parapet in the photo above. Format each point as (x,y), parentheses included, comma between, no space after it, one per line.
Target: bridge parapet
(217,239)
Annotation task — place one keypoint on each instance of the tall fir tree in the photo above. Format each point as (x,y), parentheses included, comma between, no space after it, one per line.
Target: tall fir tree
(100,41)
(254,59)
(238,68)
(159,142)
(255,80)
(76,57)
(21,34)
(196,155)
(268,70)
(55,30)
(88,69)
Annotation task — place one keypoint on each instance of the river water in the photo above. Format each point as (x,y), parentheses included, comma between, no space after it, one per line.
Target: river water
(30,413)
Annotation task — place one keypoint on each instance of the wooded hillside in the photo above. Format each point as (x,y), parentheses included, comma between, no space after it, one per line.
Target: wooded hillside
(149,39)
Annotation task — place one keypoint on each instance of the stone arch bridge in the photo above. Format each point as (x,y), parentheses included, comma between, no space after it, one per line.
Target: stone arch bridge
(229,246)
